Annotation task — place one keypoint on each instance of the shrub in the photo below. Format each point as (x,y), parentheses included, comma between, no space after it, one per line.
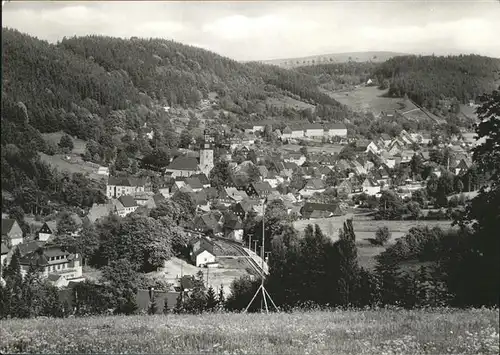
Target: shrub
(382,235)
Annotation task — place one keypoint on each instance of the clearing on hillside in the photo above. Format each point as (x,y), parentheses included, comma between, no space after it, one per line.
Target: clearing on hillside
(72,165)
(79,145)
(286,101)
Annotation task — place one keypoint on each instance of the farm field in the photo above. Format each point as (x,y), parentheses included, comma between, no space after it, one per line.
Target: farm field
(79,145)
(442,331)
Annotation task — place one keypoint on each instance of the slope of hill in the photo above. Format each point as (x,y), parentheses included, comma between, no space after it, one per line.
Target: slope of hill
(471,331)
(427,79)
(375,57)
(103,91)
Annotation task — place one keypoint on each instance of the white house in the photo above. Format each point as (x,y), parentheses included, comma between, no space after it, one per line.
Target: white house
(129,204)
(370,187)
(118,186)
(297,158)
(103,170)
(314,130)
(336,130)
(297,133)
(372,147)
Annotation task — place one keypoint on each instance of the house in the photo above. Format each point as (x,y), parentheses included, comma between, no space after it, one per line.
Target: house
(103,170)
(12,234)
(312,186)
(194,183)
(63,265)
(45,232)
(372,147)
(273,180)
(287,133)
(118,186)
(297,132)
(314,130)
(336,130)
(297,158)
(242,208)
(320,210)
(98,211)
(233,229)
(183,166)
(118,208)
(463,166)
(203,178)
(386,139)
(128,203)
(259,189)
(202,251)
(370,187)
(206,223)
(345,187)
(395,146)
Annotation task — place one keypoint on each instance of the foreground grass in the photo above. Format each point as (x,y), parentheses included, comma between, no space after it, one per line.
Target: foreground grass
(341,332)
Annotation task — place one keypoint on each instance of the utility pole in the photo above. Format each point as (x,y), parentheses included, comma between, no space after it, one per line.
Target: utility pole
(255,246)
(265,294)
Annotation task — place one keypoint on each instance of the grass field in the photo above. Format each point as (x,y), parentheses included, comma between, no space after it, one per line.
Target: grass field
(286,101)
(79,145)
(441,331)
(60,163)
(366,98)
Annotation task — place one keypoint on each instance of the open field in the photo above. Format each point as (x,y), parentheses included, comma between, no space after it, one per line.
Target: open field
(442,331)
(286,101)
(366,98)
(79,145)
(74,165)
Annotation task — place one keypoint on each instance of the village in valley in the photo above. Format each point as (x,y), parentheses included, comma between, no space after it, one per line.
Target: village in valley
(318,173)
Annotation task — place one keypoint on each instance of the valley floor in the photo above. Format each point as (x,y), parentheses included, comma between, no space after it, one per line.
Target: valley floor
(343,332)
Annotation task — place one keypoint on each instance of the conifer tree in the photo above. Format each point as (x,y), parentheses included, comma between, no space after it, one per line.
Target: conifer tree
(211,300)
(221,299)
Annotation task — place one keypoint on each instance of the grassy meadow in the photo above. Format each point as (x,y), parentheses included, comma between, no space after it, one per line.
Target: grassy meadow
(440,331)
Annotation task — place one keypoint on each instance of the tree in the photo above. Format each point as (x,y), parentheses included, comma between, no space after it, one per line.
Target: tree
(470,276)
(66,143)
(348,269)
(66,224)
(221,300)
(220,175)
(413,209)
(253,174)
(211,300)
(390,206)
(332,178)
(382,235)
(122,162)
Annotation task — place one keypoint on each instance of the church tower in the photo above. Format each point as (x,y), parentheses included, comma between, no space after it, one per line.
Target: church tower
(207,154)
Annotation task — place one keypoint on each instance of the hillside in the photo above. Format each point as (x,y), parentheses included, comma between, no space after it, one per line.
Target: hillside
(102,91)
(375,57)
(442,331)
(427,79)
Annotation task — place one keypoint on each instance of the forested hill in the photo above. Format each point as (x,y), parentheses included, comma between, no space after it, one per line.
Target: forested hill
(426,79)
(85,85)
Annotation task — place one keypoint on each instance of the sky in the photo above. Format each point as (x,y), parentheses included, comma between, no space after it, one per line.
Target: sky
(262,30)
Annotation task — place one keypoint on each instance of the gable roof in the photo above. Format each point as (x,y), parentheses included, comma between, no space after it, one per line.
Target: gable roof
(127,201)
(184,163)
(98,211)
(194,183)
(310,207)
(261,187)
(202,178)
(336,126)
(315,184)
(7,225)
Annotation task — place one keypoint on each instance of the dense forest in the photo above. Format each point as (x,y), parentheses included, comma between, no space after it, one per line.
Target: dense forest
(427,79)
